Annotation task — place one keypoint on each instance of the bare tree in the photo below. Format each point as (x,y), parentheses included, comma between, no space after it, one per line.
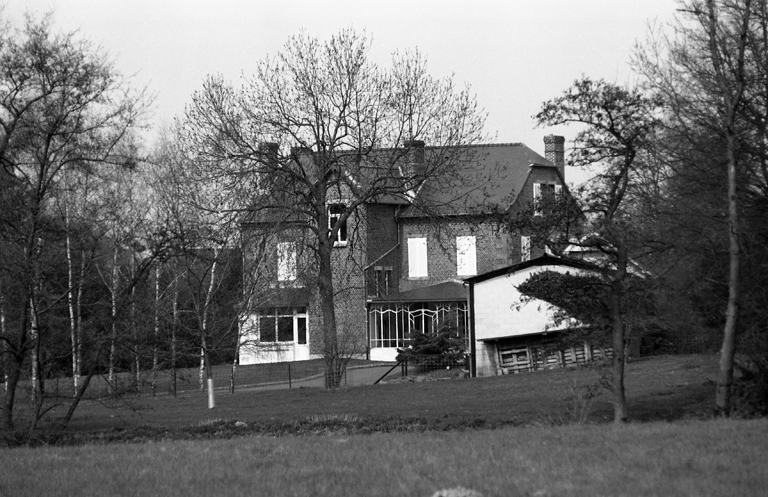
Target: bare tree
(62,106)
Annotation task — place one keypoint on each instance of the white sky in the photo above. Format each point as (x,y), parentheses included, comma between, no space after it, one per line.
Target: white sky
(514,54)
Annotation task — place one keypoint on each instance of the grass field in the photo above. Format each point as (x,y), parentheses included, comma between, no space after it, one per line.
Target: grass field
(697,458)
(537,434)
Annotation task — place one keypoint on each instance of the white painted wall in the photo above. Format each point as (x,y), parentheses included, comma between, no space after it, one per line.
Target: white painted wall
(500,312)
(383,354)
(252,352)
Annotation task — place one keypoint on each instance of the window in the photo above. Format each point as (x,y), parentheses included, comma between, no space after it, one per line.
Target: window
(466,256)
(382,280)
(525,248)
(417,258)
(283,325)
(335,211)
(286,261)
(544,189)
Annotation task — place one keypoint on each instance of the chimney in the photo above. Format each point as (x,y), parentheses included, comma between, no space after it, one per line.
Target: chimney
(415,150)
(554,151)
(414,166)
(269,150)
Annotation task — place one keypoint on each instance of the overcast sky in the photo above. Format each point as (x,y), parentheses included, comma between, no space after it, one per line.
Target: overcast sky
(514,54)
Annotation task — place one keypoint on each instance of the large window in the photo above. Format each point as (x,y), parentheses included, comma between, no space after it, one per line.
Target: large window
(283,324)
(466,256)
(391,325)
(335,211)
(286,261)
(417,257)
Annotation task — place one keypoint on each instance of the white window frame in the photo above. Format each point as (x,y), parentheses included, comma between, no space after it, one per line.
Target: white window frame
(342,236)
(286,261)
(466,256)
(418,263)
(296,314)
(537,188)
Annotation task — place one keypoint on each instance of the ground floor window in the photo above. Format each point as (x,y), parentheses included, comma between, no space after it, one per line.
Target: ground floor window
(282,325)
(392,325)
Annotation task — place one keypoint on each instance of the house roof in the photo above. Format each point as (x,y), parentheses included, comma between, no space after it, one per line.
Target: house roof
(478,178)
(448,291)
(544,260)
(494,176)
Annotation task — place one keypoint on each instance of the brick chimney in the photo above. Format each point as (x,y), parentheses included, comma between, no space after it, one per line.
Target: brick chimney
(269,151)
(414,167)
(554,151)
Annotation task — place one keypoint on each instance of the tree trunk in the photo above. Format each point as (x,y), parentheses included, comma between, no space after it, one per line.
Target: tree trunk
(156,332)
(3,343)
(113,316)
(78,396)
(728,350)
(12,380)
(79,314)
(205,363)
(174,326)
(732,92)
(136,363)
(34,339)
(12,367)
(331,353)
(71,303)
(234,362)
(620,411)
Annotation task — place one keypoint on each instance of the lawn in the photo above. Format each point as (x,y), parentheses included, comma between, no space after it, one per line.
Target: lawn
(695,458)
(540,434)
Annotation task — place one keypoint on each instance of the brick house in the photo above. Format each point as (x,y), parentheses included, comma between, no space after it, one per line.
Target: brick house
(401,262)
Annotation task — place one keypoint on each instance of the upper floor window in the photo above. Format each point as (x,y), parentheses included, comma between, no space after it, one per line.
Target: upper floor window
(466,256)
(382,280)
(417,257)
(286,261)
(335,211)
(541,190)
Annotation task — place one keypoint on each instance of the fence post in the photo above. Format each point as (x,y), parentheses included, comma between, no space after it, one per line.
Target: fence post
(289,376)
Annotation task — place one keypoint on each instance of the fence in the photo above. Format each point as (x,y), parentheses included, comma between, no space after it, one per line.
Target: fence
(432,366)
(296,374)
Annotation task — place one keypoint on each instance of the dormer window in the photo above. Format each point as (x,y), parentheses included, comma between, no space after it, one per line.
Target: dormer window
(335,211)
(541,190)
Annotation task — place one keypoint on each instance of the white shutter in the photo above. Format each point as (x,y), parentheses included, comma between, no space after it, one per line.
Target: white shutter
(417,258)
(466,256)
(286,261)
(525,248)
(536,191)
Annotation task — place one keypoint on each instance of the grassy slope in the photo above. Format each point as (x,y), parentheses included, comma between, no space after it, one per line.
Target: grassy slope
(670,387)
(697,458)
